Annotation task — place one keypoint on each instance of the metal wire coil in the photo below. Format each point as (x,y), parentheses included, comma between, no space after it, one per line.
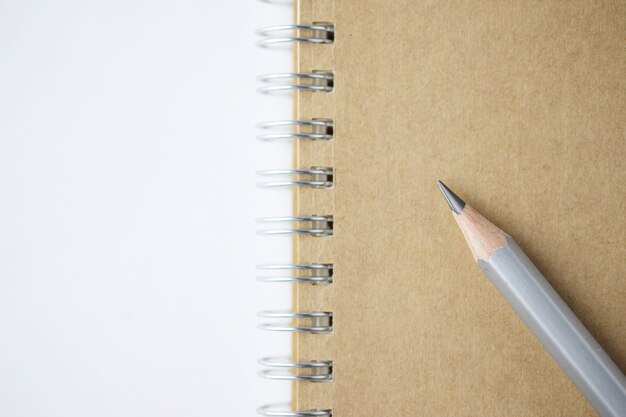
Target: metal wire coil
(318,225)
(316,81)
(319,321)
(287,370)
(316,129)
(315,177)
(320,33)
(284,410)
(317,273)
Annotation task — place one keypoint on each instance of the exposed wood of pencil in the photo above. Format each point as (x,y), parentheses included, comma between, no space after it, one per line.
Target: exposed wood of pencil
(483,237)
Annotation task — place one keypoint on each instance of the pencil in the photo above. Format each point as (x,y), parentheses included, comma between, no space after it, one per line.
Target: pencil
(544,312)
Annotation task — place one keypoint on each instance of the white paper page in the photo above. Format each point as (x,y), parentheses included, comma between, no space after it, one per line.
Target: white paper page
(128,206)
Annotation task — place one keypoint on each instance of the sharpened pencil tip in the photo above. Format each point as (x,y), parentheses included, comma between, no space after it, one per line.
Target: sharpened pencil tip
(453,200)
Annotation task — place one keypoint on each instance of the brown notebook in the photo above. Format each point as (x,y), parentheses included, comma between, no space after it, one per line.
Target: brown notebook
(520,107)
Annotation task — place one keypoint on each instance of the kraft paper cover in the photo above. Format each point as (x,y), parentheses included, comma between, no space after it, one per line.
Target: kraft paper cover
(520,107)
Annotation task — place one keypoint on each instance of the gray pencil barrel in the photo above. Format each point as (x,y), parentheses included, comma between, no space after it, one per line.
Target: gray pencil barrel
(558,329)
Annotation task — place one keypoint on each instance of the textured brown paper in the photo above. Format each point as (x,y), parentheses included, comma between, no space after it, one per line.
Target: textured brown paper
(520,107)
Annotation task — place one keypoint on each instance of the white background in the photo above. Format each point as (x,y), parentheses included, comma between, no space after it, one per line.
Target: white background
(128,206)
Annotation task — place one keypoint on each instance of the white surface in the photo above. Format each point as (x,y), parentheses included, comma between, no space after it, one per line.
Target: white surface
(127,207)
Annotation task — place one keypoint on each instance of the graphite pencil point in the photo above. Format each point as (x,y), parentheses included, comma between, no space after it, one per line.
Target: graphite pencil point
(453,200)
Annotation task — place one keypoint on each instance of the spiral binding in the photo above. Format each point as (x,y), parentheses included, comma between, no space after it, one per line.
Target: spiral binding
(311,273)
(286,370)
(320,33)
(317,129)
(314,225)
(315,321)
(316,81)
(316,177)
(284,410)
